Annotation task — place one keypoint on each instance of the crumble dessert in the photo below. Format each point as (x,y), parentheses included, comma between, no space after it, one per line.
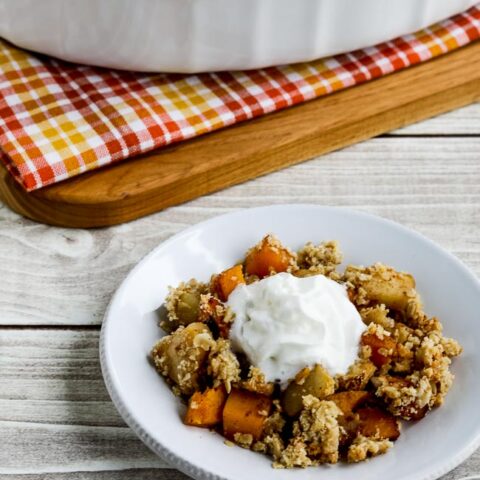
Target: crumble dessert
(284,355)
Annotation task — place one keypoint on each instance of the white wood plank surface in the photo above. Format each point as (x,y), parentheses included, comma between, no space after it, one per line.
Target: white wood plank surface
(464,121)
(54,276)
(55,416)
(129,474)
(56,419)
(55,413)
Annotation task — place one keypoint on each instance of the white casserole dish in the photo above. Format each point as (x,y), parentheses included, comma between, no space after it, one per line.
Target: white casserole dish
(207,35)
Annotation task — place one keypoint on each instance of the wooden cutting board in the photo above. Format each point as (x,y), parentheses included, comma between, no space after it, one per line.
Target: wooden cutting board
(146,184)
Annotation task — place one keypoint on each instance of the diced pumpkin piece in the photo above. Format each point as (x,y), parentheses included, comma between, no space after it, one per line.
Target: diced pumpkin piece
(267,257)
(382,348)
(316,382)
(376,422)
(347,402)
(227,281)
(245,412)
(205,408)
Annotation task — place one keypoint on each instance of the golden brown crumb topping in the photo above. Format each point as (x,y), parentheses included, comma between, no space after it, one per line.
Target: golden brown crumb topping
(377,314)
(365,447)
(320,259)
(357,377)
(255,382)
(316,435)
(243,440)
(223,365)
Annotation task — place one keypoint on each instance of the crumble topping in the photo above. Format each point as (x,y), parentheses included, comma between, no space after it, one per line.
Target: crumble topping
(316,435)
(365,447)
(275,423)
(377,330)
(378,315)
(451,347)
(255,382)
(223,365)
(295,455)
(243,440)
(402,370)
(320,259)
(357,376)
(274,446)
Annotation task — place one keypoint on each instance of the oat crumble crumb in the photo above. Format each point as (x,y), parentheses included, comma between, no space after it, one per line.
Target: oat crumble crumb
(365,447)
(243,440)
(357,376)
(223,365)
(317,430)
(378,314)
(320,259)
(255,382)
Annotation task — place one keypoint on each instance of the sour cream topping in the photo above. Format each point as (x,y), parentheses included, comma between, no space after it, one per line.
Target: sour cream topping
(284,323)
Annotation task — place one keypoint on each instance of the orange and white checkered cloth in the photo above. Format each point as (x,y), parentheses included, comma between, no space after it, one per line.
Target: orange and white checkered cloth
(58,120)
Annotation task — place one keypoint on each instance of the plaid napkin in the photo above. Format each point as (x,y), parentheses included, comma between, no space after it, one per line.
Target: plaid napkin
(58,120)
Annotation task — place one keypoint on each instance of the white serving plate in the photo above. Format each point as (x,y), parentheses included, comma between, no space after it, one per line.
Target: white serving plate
(425,450)
(208,35)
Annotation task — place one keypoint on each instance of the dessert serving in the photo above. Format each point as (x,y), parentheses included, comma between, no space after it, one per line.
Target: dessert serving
(285,355)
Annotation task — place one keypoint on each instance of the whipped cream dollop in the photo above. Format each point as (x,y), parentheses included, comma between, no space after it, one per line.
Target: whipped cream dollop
(284,323)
